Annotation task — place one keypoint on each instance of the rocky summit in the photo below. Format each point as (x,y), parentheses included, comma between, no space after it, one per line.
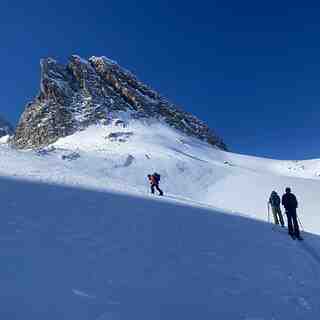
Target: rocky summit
(85,92)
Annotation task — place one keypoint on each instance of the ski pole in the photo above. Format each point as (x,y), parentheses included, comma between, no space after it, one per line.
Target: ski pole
(302,229)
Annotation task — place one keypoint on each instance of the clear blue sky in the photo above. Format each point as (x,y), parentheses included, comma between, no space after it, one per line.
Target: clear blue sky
(251,69)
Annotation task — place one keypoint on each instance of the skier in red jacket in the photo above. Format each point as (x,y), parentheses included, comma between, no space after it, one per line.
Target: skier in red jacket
(154,180)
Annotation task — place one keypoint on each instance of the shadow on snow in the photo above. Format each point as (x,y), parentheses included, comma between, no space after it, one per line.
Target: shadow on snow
(70,253)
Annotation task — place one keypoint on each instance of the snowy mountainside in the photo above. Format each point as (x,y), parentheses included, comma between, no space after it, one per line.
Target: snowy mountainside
(118,157)
(82,238)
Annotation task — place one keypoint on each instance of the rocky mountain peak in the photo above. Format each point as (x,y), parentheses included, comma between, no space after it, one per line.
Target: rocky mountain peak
(85,92)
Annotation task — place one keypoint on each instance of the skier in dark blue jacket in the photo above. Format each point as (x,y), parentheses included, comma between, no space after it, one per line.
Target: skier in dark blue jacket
(290,203)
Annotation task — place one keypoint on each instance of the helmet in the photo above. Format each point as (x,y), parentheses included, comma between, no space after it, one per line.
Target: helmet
(288,190)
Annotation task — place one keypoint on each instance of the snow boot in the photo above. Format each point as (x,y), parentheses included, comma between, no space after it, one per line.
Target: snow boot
(292,236)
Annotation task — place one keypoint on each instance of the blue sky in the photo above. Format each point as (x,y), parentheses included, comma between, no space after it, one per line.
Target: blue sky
(251,69)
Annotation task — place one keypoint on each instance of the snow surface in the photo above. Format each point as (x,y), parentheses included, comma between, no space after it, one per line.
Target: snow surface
(82,238)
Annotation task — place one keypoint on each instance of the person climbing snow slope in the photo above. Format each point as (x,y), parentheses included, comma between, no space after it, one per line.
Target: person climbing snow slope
(154,180)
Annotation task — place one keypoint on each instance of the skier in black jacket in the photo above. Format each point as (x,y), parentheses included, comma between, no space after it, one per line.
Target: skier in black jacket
(290,203)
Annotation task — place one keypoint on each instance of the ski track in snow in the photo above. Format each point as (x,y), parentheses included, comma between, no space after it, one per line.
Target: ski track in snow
(82,294)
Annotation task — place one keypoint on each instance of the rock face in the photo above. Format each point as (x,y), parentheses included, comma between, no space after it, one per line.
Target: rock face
(5,128)
(85,92)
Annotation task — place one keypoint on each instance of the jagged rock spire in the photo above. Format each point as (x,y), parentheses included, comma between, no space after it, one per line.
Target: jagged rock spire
(83,92)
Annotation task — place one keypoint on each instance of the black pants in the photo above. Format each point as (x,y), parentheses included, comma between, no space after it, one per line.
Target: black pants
(156,186)
(293,226)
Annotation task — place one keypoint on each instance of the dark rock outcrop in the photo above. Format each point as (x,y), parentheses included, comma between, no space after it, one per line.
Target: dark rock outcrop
(6,128)
(86,92)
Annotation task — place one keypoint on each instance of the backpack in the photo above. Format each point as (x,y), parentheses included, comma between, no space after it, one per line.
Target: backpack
(157,177)
(275,200)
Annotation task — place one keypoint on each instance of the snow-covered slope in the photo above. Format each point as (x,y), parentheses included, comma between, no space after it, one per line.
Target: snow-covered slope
(82,238)
(71,253)
(119,156)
